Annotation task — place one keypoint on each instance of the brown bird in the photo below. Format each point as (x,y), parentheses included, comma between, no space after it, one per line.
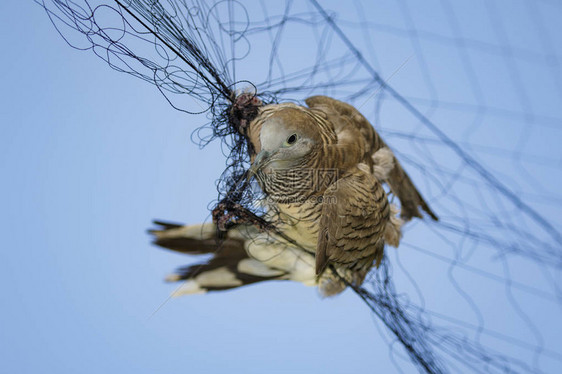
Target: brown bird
(322,170)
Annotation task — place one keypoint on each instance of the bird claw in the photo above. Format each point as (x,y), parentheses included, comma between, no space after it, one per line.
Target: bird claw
(227,215)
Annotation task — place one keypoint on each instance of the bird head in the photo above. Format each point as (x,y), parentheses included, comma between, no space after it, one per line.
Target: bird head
(287,137)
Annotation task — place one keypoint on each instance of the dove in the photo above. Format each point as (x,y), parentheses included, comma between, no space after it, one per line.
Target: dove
(322,169)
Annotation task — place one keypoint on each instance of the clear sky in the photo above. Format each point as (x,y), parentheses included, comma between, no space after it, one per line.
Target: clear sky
(90,156)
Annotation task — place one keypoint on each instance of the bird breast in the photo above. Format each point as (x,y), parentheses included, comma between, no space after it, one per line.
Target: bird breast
(301,222)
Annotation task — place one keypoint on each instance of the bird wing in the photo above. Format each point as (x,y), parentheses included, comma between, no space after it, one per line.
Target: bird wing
(229,267)
(344,116)
(355,211)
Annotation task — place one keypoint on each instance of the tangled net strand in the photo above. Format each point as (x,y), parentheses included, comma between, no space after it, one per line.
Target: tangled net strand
(192,51)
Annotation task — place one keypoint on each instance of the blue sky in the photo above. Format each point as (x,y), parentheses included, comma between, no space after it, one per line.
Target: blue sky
(90,156)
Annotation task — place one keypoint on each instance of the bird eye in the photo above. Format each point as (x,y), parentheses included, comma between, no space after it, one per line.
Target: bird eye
(292,139)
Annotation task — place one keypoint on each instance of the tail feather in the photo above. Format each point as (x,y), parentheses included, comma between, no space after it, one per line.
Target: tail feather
(409,196)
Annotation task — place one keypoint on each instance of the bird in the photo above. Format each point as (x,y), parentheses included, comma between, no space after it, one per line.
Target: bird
(322,169)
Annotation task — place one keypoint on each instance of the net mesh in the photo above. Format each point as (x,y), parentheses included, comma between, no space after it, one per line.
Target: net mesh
(470,111)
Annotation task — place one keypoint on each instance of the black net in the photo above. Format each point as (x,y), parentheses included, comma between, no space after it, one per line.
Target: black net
(470,111)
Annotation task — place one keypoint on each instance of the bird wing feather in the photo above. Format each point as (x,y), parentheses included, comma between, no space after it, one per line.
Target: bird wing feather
(343,116)
(355,211)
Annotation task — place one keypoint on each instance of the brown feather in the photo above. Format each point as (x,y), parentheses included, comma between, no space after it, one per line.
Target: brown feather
(355,212)
(345,115)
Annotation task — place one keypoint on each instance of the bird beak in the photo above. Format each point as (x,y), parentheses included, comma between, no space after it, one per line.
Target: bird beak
(259,161)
